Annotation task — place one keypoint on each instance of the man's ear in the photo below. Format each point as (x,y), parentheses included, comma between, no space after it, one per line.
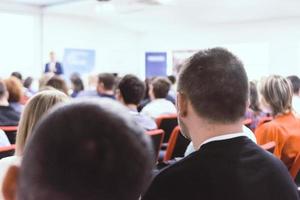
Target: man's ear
(9,187)
(182,104)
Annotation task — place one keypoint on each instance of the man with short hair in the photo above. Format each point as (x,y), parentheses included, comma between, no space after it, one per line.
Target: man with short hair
(105,87)
(295,80)
(212,100)
(131,91)
(158,91)
(83,150)
(8,116)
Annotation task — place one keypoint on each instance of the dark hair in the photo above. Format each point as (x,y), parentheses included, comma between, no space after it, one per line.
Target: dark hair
(77,83)
(132,89)
(18,75)
(216,84)
(295,83)
(58,83)
(86,150)
(161,87)
(14,88)
(28,82)
(3,88)
(172,79)
(108,80)
(254,102)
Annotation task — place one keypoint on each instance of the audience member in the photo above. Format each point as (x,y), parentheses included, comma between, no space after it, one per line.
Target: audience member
(77,85)
(15,93)
(29,92)
(37,106)
(44,80)
(277,95)
(130,92)
(212,100)
(17,75)
(3,139)
(105,87)
(172,91)
(53,66)
(58,83)
(254,111)
(83,150)
(296,88)
(146,98)
(158,92)
(8,115)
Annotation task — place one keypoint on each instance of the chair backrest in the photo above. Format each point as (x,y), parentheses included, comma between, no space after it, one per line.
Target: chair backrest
(11,133)
(157,137)
(247,122)
(264,120)
(177,145)
(7,151)
(270,146)
(167,123)
(295,169)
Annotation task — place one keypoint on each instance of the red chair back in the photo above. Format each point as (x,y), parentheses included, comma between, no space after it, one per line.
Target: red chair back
(7,151)
(167,123)
(176,146)
(11,132)
(270,146)
(294,171)
(157,137)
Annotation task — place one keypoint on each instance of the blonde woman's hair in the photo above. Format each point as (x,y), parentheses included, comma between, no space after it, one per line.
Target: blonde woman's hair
(277,92)
(36,107)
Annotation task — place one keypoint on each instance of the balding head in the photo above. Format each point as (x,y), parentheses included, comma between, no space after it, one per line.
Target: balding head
(86,150)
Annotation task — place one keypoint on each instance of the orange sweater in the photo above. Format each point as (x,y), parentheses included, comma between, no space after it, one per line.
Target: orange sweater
(280,131)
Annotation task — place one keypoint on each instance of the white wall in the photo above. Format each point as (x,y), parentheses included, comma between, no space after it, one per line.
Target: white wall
(116,48)
(265,47)
(20,43)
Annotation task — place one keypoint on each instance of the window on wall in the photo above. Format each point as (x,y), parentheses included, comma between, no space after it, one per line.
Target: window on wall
(19,44)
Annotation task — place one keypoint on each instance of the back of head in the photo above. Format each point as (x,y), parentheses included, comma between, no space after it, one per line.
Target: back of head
(58,83)
(108,80)
(216,84)
(28,82)
(160,87)
(14,88)
(172,79)
(254,102)
(3,89)
(35,108)
(295,83)
(277,92)
(86,150)
(77,83)
(17,75)
(132,89)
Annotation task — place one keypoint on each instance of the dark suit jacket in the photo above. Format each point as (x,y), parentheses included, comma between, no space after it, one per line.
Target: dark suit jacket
(234,169)
(58,66)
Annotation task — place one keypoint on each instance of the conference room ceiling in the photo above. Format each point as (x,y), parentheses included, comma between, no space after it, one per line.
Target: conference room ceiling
(145,15)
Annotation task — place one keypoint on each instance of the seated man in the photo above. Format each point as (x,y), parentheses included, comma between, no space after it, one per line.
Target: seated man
(130,93)
(212,100)
(8,115)
(105,87)
(158,91)
(295,81)
(83,150)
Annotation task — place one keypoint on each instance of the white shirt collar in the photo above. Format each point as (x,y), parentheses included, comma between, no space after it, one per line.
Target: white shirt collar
(223,137)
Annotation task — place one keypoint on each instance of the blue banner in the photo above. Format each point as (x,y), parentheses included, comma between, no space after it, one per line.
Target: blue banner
(156,64)
(79,60)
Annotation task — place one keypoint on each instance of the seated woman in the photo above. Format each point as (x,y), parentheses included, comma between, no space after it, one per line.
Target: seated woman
(277,95)
(16,93)
(254,112)
(36,107)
